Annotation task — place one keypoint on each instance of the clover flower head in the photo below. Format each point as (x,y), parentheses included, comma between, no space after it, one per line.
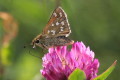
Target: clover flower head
(59,62)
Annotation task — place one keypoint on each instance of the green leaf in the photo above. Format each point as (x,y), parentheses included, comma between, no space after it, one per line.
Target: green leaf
(77,74)
(105,74)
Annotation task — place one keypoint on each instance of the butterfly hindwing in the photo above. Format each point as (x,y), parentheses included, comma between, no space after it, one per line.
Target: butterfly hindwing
(58,24)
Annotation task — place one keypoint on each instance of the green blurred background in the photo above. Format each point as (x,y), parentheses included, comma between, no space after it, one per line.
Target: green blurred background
(95,22)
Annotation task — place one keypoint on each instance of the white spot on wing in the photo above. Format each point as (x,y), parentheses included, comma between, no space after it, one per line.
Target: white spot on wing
(55,14)
(53,31)
(48,31)
(52,24)
(61,29)
(57,23)
(67,35)
(62,23)
(60,14)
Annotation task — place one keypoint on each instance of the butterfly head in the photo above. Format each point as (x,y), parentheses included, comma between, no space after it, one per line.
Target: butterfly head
(36,41)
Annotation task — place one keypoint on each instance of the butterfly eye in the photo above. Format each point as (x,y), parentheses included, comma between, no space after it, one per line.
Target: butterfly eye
(37,41)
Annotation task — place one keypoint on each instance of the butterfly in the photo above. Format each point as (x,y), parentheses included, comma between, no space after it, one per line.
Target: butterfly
(56,31)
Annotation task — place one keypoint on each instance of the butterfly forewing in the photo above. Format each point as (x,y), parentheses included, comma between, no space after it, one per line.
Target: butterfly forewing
(56,31)
(58,24)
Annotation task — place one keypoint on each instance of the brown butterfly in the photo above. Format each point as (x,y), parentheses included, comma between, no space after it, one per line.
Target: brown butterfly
(56,31)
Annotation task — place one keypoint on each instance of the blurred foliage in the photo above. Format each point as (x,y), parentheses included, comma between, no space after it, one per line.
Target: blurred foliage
(95,22)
